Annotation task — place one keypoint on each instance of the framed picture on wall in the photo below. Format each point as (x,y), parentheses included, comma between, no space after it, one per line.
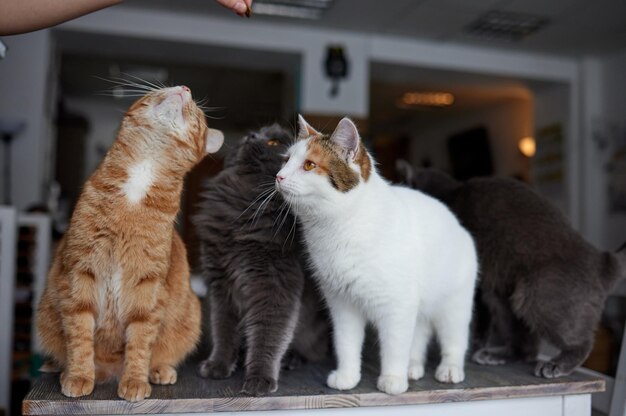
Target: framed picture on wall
(548,164)
(616,170)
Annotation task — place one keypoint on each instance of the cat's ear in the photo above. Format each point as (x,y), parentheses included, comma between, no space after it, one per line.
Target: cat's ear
(304,129)
(346,136)
(214,140)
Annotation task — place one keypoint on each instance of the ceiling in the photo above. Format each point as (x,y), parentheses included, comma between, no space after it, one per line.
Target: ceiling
(575,28)
(229,73)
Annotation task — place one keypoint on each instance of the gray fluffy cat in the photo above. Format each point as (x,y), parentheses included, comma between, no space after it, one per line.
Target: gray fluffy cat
(252,260)
(539,278)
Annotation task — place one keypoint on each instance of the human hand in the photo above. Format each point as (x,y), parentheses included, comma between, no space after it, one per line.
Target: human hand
(241,7)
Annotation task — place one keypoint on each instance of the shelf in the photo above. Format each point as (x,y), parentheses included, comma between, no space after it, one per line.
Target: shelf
(305,388)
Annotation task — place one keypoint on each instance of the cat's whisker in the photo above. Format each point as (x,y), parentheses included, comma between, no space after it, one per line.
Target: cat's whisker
(214,117)
(283,221)
(124,93)
(210,110)
(121,82)
(123,88)
(261,195)
(266,185)
(293,226)
(278,216)
(155,86)
(261,208)
(160,84)
(133,85)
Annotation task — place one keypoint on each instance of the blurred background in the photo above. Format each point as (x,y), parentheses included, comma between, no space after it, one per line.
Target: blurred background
(529,89)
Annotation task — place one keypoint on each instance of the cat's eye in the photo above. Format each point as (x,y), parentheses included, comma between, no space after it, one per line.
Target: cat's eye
(308,165)
(273,142)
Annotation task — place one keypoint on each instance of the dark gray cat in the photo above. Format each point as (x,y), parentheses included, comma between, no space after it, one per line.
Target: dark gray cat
(252,260)
(539,278)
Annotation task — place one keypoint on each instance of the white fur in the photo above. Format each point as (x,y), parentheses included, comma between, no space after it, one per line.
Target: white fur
(169,112)
(109,292)
(140,179)
(391,256)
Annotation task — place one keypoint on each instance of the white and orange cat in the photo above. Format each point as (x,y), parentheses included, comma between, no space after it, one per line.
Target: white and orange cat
(118,301)
(380,253)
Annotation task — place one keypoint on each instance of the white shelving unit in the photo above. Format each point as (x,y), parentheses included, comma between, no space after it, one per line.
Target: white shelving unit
(8,243)
(43,243)
(10,221)
(612,401)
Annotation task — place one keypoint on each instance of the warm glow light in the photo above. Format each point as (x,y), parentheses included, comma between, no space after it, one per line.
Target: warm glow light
(434,99)
(528,146)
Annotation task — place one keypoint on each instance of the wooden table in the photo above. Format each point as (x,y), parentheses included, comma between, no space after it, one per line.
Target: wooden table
(505,390)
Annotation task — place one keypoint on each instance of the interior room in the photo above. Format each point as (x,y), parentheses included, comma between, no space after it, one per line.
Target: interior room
(530,93)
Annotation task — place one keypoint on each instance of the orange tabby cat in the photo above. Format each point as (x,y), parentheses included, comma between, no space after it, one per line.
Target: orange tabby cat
(118,300)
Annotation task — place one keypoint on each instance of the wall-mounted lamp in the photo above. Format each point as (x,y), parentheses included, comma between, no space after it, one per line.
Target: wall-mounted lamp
(336,66)
(527,146)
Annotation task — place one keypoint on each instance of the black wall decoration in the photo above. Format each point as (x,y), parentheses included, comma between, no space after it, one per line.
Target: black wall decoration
(336,66)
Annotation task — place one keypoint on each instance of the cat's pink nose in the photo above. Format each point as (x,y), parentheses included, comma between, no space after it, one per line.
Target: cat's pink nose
(279,178)
(185,88)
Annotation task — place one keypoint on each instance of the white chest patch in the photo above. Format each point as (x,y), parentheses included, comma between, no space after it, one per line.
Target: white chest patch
(109,294)
(140,178)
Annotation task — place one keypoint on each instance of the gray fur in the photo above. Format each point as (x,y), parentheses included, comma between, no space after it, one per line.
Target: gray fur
(539,278)
(251,254)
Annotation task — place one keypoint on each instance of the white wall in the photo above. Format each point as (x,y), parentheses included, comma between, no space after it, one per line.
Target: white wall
(1,172)
(29,68)
(604,119)
(506,123)
(309,43)
(362,49)
(614,77)
(25,92)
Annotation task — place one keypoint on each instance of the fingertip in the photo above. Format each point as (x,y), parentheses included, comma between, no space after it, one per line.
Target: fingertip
(240,8)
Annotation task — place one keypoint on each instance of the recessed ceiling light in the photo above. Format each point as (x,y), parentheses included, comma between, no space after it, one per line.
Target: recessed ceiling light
(426,98)
(497,24)
(300,9)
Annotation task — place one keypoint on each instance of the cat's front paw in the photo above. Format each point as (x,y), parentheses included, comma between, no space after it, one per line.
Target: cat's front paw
(216,369)
(416,371)
(485,357)
(392,384)
(342,380)
(76,386)
(449,373)
(549,369)
(259,386)
(163,374)
(133,390)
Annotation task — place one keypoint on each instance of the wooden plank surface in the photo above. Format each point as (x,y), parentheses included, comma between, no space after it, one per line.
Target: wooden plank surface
(304,388)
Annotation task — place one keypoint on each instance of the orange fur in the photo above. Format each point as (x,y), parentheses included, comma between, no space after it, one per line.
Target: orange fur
(118,301)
